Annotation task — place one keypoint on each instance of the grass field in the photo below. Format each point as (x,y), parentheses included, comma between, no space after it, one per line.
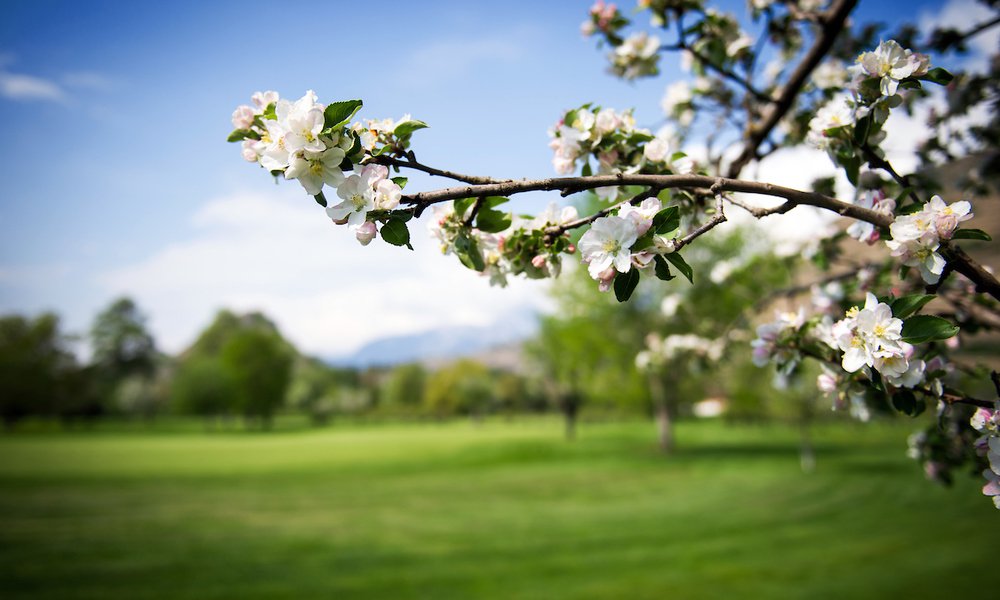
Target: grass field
(497,510)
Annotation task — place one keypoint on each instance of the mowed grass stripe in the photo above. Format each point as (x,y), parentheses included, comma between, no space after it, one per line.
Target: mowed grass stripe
(496,510)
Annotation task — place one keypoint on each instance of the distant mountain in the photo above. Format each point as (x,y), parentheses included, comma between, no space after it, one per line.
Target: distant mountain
(437,345)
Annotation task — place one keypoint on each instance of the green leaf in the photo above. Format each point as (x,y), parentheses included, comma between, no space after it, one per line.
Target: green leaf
(339,113)
(861,130)
(625,284)
(939,76)
(971,234)
(926,328)
(320,199)
(238,135)
(468,252)
(662,268)
(462,206)
(905,402)
(666,220)
(852,166)
(643,242)
(909,209)
(586,171)
(492,221)
(269,113)
(678,261)
(395,232)
(400,181)
(905,306)
(408,127)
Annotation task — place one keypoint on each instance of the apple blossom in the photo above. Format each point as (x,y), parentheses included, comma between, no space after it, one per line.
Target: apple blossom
(243,117)
(892,63)
(358,198)
(607,244)
(366,233)
(313,169)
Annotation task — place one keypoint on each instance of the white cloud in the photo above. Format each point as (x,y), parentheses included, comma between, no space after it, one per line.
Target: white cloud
(963,15)
(28,87)
(278,253)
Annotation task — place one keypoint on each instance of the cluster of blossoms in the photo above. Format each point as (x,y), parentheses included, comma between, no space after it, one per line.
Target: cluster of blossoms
(616,144)
(987,423)
(864,231)
(603,18)
(869,340)
(678,102)
(616,243)
(916,237)
(637,56)
(720,37)
(874,82)
(773,341)
(503,246)
(660,351)
(871,337)
(313,144)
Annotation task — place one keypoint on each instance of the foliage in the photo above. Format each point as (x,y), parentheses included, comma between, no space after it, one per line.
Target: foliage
(35,364)
(660,200)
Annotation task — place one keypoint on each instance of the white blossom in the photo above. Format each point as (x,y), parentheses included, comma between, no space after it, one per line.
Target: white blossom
(313,169)
(892,63)
(607,244)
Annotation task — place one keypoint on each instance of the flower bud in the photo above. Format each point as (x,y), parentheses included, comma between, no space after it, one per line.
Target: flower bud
(366,233)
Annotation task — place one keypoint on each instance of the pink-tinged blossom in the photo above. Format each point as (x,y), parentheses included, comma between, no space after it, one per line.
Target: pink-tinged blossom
(992,487)
(892,63)
(986,421)
(605,278)
(864,231)
(946,217)
(767,347)
(642,215)
(243,117)
(366,233)
(262,100)
(608,244)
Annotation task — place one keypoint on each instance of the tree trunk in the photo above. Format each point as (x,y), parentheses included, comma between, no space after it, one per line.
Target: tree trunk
(570,406)
(663,413)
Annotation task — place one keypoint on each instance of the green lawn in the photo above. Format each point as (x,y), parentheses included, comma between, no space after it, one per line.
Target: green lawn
(501,510)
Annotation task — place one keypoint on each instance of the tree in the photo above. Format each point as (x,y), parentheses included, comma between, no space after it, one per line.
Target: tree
(260,367)
(403,387)
(251,361)
(34,367)
(120,342)
(890,347)
(463,387)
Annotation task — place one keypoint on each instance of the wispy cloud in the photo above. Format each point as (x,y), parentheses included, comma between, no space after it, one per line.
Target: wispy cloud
(279,253)
(28,87)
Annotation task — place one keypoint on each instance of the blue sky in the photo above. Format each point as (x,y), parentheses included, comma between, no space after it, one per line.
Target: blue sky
(119,179)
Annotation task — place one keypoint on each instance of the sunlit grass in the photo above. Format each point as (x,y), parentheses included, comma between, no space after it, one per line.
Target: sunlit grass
(498,509)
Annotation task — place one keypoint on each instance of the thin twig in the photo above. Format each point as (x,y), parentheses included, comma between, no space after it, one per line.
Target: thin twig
(834,21)
(390,161)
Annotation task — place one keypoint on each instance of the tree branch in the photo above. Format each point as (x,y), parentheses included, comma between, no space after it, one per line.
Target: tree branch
(956,257)
(413,164)
(834,21)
